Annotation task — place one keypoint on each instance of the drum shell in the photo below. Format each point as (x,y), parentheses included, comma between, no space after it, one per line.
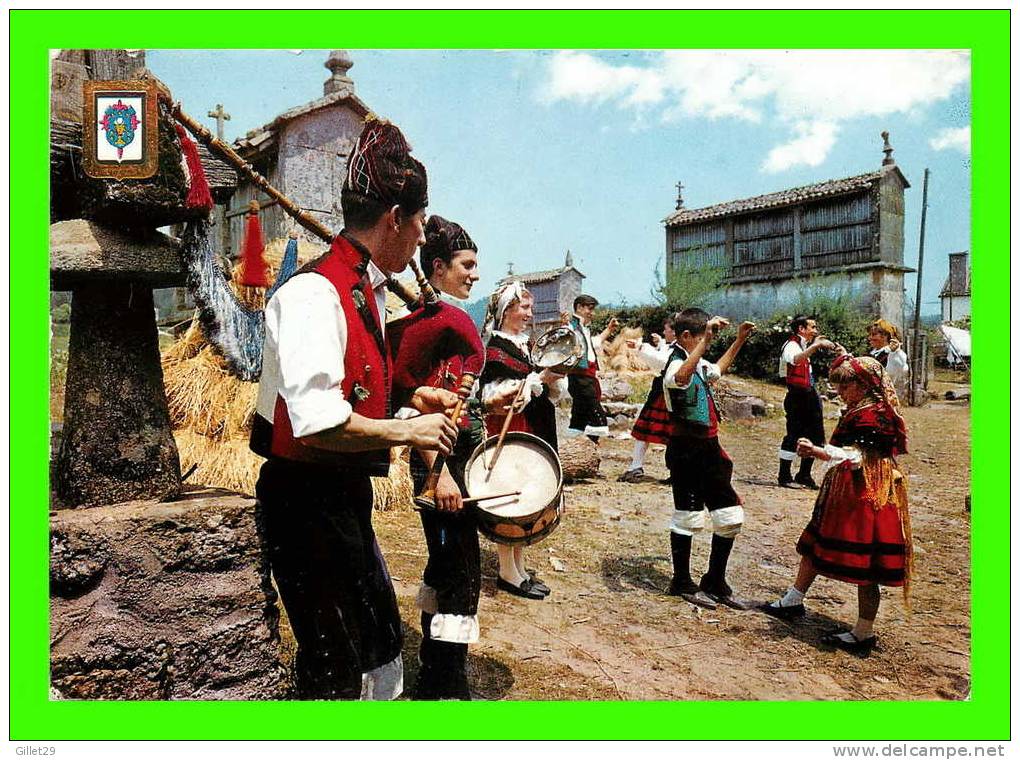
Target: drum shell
(523,529)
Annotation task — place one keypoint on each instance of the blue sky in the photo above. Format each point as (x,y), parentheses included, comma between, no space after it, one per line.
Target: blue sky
(535,152)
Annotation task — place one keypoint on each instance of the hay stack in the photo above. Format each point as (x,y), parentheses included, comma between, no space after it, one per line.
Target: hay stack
(621,359)
(211,410)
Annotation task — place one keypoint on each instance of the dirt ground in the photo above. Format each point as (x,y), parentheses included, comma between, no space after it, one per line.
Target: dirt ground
(609,632)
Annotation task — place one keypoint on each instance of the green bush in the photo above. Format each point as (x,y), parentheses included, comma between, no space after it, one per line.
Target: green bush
(838,310)
(839,320)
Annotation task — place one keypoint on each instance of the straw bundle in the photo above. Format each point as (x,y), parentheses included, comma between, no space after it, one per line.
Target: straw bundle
(228,464)
(620,358)
(395,492)
(211,410)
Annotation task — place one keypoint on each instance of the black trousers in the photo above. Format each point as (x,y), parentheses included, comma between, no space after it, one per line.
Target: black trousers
(331,575)
(454,564)
(803,407)
(585,409)
(700,474)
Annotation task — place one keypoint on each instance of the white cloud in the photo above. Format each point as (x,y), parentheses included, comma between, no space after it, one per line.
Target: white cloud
(582,77)
(957,139)
(813,142)
(809,91)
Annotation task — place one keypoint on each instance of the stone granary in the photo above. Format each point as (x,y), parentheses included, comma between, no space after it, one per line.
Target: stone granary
(303,153)
(157,591)
(770,245)
(554,291)
(955,293)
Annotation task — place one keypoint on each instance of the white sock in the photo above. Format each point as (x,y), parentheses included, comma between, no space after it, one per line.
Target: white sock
(791,598)
(507,566)
(864,629)
(519,562)
(637,461)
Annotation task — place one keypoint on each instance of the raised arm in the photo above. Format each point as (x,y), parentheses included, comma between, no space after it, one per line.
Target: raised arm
(818,343)
(682,376)
(745,329)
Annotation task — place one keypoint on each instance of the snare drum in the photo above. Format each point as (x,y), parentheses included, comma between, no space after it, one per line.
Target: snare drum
(526,464)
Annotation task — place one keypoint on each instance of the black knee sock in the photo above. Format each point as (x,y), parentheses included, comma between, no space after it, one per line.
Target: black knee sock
(426,650)
(680,548)
(805,467)
(715,578)
(784,469)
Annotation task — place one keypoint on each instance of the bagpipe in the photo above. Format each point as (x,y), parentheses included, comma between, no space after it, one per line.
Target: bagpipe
(433,340)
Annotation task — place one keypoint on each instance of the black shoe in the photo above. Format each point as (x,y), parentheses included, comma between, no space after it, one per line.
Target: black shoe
(526,589)
(807,481)
(789,612)
(690,593)
(723,594)
(539,585)
(858,647)
(791,483)
(632,476)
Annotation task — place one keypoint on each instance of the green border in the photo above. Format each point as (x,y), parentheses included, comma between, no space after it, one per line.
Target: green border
(33,717)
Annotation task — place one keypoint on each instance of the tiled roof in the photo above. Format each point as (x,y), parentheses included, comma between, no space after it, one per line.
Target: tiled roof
(218,173)
(788,197)
(257,139)
(530,278)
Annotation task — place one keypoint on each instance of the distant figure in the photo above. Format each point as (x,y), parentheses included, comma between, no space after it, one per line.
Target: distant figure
(886,348)
(859,532)
(653,424)
(803,405)
(587,417)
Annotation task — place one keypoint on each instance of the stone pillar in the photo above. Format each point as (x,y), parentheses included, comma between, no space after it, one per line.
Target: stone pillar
(117,444)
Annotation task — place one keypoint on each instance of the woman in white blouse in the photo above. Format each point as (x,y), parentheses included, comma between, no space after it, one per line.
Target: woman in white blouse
(507,366)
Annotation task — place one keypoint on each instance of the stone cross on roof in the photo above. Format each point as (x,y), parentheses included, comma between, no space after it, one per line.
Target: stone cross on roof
(221,116)
(887,149)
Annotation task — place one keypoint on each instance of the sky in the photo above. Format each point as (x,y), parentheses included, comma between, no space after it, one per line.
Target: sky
(537,152)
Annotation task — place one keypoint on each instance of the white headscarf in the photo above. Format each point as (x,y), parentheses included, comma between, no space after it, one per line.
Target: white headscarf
(499,302)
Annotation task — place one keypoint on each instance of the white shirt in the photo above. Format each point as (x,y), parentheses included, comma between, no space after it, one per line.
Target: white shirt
(709,373)
(790,351)
(655,358)
(592,343)
(303,355)
(895,366)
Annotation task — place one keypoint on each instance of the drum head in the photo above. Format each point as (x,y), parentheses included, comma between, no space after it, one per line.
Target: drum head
(526,464)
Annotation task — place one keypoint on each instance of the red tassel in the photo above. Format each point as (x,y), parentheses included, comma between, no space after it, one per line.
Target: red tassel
(198,191)
(254,269)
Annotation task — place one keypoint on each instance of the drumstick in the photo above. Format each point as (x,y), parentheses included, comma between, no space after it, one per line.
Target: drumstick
(421,505)
(473,499)
(506,426)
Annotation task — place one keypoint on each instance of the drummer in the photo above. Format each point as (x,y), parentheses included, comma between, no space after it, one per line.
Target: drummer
(507,366)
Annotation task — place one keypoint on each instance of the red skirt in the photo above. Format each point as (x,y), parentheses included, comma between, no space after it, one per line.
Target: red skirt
(519,424)
(849,539)
(653,424)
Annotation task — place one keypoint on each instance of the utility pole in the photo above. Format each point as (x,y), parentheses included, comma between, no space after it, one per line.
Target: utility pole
(915,349)
(221,116)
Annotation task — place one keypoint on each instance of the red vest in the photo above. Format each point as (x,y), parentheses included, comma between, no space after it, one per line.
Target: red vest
(797,375)
(366,383)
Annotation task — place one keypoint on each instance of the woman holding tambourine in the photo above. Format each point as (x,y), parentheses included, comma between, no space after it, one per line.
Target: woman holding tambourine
(509,379)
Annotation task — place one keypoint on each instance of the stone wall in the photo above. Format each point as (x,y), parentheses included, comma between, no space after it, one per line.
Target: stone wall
(163,601)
